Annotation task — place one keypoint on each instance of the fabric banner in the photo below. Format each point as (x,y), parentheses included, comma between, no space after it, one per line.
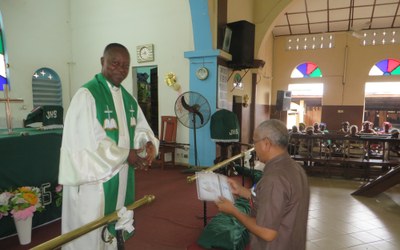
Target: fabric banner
(3,68)
(30,158)
(224,126)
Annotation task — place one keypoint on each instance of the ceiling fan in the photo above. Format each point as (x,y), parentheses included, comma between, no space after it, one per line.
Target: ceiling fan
(356,29)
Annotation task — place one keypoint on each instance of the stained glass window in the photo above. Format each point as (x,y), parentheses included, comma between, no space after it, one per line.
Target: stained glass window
(306,70)
(3,68)
(386,67)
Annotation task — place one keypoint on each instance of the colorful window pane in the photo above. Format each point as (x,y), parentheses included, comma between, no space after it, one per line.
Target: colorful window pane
(3,68)
(306,70)
(386,67)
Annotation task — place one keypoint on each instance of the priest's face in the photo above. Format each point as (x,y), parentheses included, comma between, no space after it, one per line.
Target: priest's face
(115,65)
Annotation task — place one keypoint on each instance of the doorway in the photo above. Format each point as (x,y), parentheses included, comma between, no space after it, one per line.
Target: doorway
(382,103)
(306,104)
(145,90)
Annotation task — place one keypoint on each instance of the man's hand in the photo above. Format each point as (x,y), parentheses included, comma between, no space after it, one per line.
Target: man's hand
(235,187)
(238,189)
(225,206)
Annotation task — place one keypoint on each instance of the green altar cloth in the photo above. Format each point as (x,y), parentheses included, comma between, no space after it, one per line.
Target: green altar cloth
(30,157)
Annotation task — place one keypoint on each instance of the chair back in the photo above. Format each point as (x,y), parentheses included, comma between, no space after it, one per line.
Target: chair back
(168,128)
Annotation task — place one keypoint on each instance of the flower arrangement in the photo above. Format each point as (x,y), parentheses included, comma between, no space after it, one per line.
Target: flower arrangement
(24,202)
(58,191)
(5,203)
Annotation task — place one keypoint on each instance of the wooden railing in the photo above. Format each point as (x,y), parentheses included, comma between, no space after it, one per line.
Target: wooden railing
(338,146)
(341,153)
(65,238)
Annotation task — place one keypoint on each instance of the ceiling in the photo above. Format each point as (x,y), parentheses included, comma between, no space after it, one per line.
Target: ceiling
(324,16)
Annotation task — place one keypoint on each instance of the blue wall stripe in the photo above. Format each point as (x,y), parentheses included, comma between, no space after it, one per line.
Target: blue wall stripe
(203,55)
(201,25)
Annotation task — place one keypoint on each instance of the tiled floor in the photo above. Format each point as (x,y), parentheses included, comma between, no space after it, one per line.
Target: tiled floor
(338,220)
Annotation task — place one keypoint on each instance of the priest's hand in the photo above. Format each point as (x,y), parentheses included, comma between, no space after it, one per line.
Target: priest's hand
(137,161)
(150,152)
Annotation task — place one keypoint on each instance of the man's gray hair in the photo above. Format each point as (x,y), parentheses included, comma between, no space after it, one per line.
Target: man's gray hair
(275,131)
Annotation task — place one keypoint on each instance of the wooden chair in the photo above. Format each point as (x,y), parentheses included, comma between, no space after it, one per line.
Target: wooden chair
(167,141)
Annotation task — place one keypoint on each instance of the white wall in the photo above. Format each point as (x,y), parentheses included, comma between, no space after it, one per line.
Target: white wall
(59,33)
(36,35)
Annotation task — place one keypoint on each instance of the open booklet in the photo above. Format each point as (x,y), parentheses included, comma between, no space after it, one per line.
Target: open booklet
(211,186)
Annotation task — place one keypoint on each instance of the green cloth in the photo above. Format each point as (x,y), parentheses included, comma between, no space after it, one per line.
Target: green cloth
(224,126)
(16,132)
(30,160)
(254,174)
(225,231)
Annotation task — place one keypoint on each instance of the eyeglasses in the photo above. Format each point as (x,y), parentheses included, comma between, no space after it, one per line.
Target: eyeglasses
(257,140)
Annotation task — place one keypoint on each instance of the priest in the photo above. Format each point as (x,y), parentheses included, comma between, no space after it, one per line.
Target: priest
(101,149)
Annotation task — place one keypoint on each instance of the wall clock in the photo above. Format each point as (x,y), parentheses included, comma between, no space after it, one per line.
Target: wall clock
(145,53)
(202,73)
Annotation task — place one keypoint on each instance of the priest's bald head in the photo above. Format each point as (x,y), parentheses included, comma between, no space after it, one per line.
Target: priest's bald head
(115,63)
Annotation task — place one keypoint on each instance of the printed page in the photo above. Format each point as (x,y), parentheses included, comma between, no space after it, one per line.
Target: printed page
(211,186)
(225,188)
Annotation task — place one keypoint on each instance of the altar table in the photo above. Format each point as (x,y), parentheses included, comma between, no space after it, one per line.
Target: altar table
(30,157)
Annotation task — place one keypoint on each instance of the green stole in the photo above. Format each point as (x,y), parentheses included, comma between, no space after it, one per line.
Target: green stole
(105,108)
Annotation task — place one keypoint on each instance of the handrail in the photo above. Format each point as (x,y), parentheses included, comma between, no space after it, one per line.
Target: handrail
(192,178)
(360,137)
(67,237)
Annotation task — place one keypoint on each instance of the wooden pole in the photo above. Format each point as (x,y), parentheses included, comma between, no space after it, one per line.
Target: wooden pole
(192,178)
(7,100)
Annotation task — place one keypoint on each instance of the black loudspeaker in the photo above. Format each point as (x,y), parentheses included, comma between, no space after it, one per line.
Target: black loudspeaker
(283,100)
(242,44)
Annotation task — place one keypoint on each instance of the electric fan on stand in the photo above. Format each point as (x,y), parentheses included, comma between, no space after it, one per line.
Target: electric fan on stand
(193,111)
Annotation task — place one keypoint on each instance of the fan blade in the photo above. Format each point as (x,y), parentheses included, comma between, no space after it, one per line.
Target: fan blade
(200,116)
(186,106)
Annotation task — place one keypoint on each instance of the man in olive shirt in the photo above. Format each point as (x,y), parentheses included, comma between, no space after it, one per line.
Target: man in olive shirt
(280,200)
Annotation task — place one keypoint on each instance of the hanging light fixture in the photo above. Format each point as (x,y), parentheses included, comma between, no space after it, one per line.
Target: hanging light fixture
(237,81)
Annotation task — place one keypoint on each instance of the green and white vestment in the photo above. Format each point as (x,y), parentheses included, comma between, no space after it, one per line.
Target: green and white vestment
(98,133)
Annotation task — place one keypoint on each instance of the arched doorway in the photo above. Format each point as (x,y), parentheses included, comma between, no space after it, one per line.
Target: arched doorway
(382,97)
(307,91)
